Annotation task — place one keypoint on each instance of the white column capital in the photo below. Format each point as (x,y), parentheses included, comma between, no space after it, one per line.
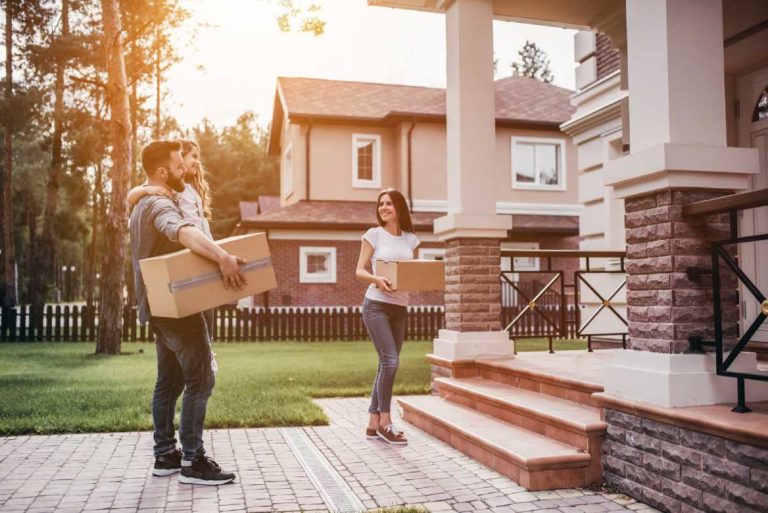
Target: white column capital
(486,226)
(679,166)
(677,123)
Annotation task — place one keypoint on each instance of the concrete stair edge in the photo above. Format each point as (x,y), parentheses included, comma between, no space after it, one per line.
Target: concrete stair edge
(571,457)
(465,386)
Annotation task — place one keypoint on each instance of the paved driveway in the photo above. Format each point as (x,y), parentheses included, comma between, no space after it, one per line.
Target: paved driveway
(327,468)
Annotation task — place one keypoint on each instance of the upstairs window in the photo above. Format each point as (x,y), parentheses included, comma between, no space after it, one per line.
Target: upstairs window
(366,161)
(538,163)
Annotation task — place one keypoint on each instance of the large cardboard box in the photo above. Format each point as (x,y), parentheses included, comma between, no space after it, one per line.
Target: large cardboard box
(183,283)
(409,275)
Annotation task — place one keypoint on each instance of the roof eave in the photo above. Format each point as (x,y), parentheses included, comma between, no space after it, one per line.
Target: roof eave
(279,109)
(394,117)
(294,225)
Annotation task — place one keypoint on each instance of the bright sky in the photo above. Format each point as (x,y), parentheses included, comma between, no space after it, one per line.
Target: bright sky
(243,53)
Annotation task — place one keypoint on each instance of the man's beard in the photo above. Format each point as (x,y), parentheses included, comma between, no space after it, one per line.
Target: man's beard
(175,183)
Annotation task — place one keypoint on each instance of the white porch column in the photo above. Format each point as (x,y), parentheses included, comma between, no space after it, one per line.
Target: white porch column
(679,155)
(677,105)
(471,124)
(471,228)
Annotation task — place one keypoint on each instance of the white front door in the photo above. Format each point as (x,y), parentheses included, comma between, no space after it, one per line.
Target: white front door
(753,132)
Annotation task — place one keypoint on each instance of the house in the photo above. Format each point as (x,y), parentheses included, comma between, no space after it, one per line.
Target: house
(340,143)
(677,141)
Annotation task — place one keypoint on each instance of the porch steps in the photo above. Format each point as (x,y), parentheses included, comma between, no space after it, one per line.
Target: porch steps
(536,424)
(566,421)
(525,374)
(530,459)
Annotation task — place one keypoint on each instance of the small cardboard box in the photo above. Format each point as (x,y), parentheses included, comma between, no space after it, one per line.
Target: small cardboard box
(183,283)
(408,275)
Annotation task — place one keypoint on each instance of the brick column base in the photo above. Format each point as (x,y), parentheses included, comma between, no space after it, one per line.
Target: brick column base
(665,307)
(473,288)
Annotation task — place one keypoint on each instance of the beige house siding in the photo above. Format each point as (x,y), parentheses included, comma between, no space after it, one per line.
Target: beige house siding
(331,164)
(428,162)
(506,193)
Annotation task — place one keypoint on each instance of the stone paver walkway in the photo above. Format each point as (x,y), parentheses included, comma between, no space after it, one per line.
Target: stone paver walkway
(294,469)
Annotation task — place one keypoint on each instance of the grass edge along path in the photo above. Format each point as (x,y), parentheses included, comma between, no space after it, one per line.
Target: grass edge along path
(54,387)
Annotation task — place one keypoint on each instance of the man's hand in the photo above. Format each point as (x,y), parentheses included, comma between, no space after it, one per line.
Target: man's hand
(230,270)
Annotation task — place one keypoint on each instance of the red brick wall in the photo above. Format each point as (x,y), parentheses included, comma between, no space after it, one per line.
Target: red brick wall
(347,291)
(608,59)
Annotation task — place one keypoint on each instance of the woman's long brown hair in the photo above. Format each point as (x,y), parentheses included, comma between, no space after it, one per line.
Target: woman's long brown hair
(401,207)
(198,181)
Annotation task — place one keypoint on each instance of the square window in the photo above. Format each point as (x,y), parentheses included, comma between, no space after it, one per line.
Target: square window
(538,163)
(317,265)
(366,161)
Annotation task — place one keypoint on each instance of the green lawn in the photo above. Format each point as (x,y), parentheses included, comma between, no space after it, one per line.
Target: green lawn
(64,388)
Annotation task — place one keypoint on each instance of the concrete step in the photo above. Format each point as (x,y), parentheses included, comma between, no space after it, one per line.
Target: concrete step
(573,423)
(541,377)
(528,458)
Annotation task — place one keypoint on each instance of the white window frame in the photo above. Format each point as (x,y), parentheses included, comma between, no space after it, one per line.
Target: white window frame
(561,186)
(375,181)
(288,171)
(431,253)
(522,263)
(305,277)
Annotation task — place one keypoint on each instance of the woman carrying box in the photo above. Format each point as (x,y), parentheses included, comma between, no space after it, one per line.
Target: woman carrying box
(384,309)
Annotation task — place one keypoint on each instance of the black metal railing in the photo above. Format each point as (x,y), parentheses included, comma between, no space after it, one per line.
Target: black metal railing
(551,308)
(721,255)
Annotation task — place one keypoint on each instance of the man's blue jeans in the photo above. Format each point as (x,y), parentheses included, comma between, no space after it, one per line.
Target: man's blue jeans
(385,323)
(183,364)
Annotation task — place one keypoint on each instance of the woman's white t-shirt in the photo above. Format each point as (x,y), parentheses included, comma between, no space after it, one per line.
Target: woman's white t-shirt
(389,247)
(191,205)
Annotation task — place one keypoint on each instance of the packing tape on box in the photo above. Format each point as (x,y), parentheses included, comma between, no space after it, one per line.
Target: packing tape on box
(178,286)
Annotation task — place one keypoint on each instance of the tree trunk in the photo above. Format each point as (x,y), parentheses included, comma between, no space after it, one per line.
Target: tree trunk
(158,82)
(134,180)
(90,259)
(34,277)
(112,279)
(8,292)
(47,248)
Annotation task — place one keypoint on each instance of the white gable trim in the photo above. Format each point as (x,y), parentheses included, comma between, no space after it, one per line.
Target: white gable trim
(508,207)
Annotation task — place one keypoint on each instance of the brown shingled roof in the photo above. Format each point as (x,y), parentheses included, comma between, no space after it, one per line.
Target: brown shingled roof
(517,99)
(360,215)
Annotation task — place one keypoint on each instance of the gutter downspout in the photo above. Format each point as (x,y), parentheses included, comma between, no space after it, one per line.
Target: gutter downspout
(306,158)
(410,171)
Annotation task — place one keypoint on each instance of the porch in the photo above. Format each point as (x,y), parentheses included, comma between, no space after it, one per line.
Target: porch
(543,420)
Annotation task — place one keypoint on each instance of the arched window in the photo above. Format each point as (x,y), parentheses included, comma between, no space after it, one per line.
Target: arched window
(761,109)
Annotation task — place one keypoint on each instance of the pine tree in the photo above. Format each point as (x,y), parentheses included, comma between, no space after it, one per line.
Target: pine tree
(532,62)
(116,226)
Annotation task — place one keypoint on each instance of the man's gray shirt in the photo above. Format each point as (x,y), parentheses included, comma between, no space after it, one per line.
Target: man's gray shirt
(155,224)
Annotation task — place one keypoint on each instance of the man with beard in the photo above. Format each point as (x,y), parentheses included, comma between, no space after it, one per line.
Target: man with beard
(184,355)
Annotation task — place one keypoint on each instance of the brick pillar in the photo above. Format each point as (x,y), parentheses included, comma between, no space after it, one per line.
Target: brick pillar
(473,288)
(665,307)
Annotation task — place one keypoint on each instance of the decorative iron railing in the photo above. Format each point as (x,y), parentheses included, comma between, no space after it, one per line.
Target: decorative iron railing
(731,205)
(552,308)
